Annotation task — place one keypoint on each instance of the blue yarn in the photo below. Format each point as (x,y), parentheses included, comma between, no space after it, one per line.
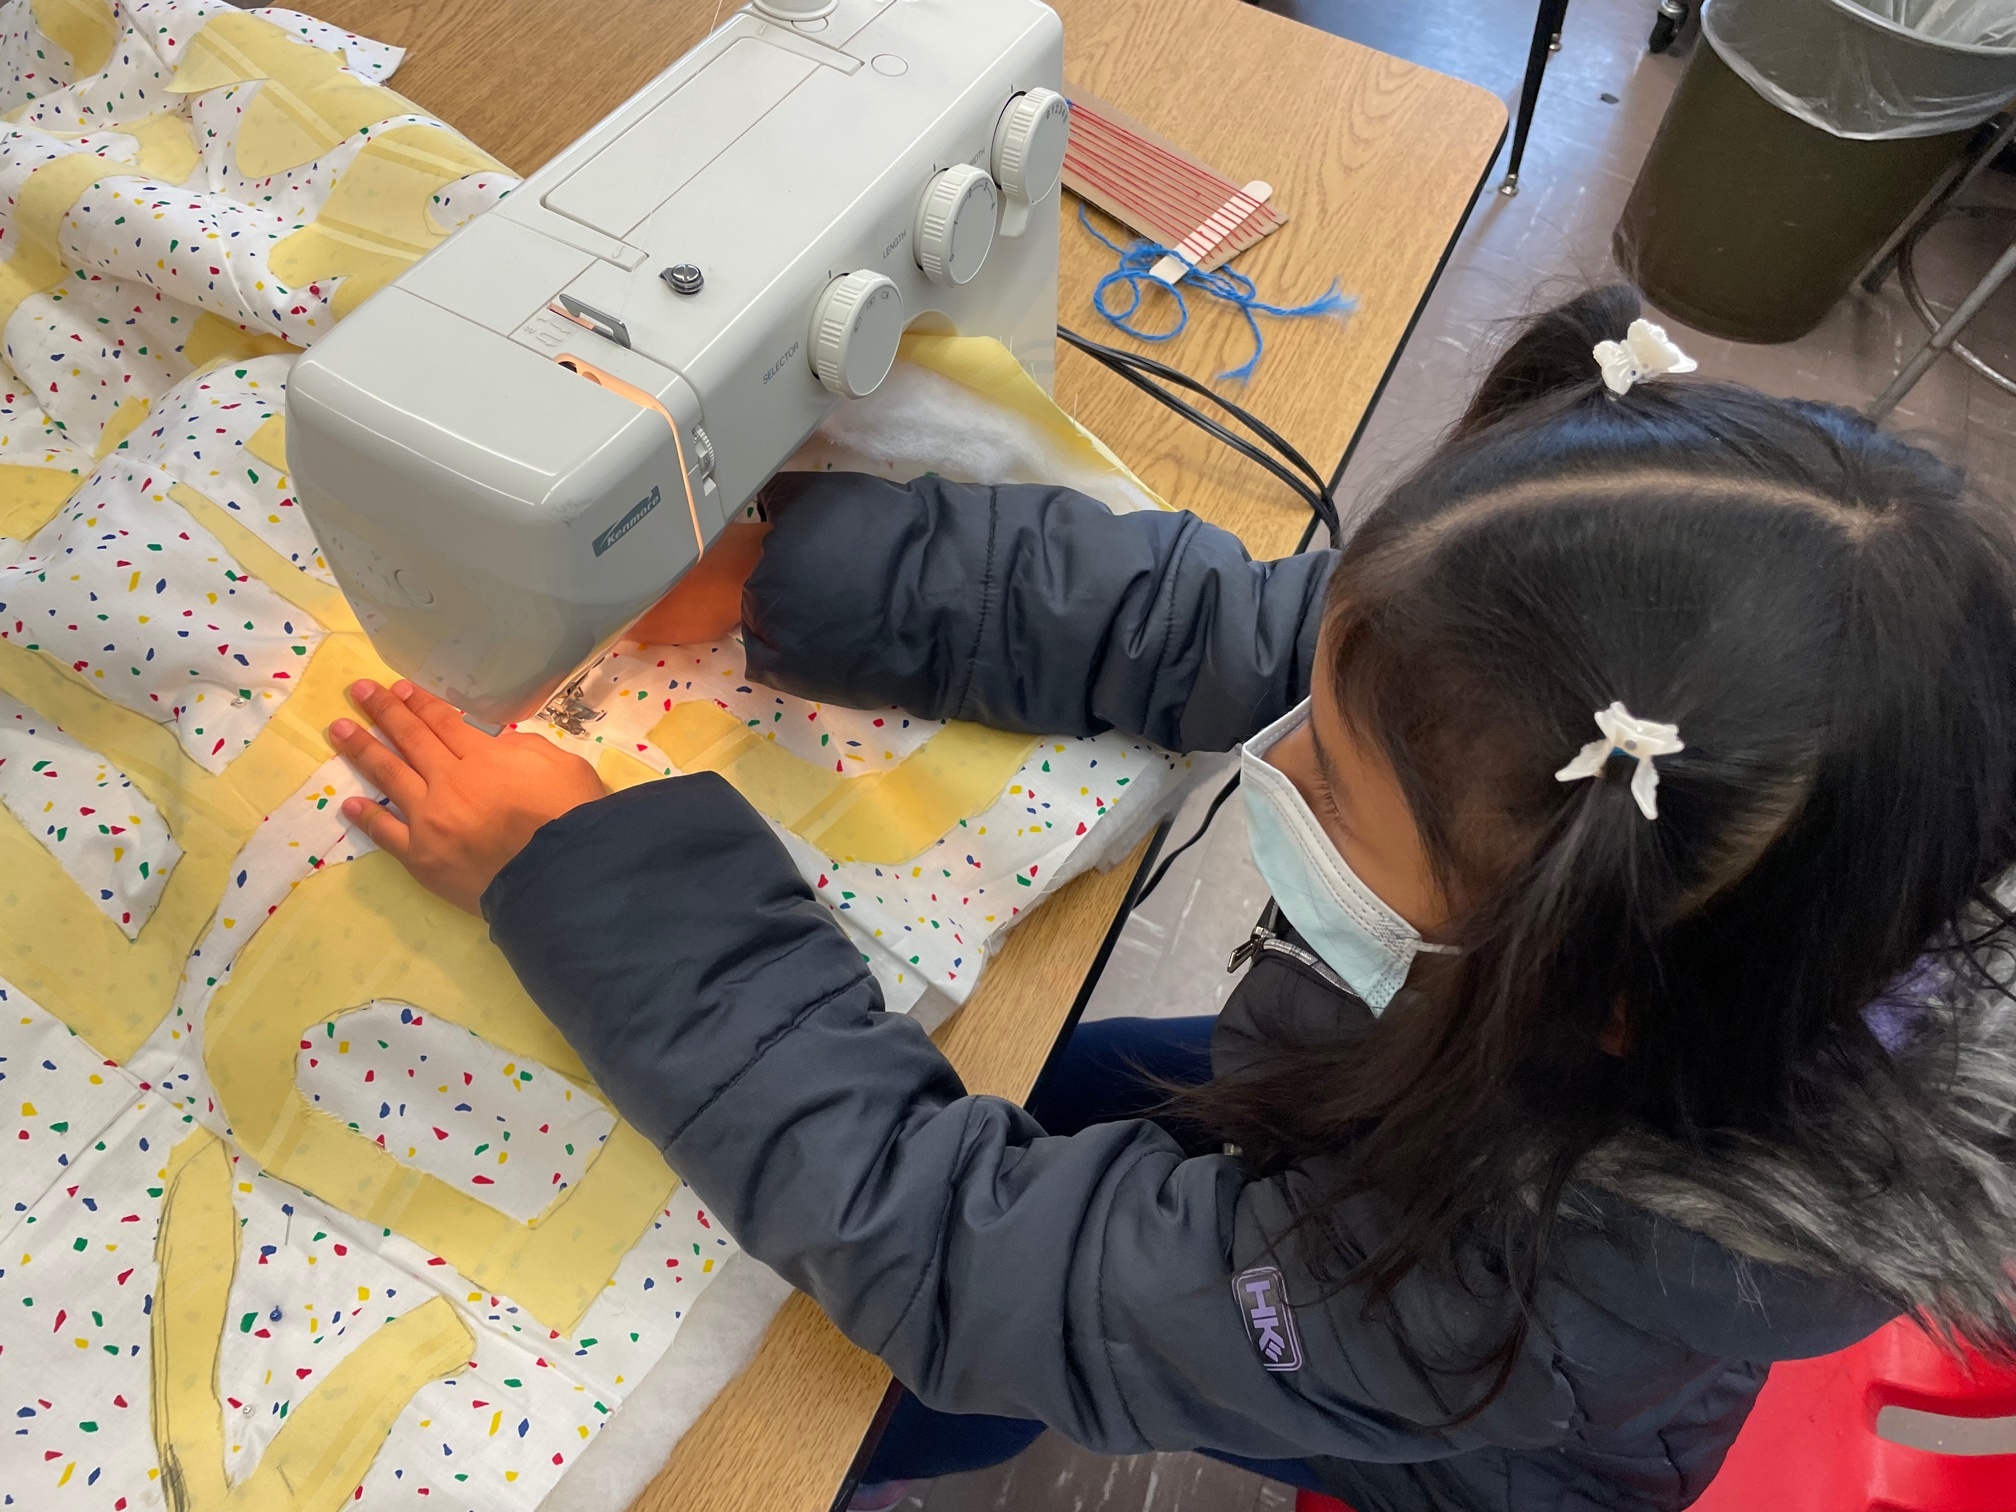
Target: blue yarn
(1226,283)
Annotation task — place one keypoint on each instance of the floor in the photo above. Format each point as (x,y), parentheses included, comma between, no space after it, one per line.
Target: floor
(1054,1475)
(1601,104)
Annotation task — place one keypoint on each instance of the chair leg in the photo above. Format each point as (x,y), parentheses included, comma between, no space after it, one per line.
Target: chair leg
(1958,177)
(1945,336)
(1546,27)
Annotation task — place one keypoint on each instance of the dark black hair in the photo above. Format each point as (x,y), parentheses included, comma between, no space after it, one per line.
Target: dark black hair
(1829,616)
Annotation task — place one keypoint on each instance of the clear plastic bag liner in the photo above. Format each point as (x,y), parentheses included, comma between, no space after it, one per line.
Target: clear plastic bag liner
(1869,69)
(1977,23)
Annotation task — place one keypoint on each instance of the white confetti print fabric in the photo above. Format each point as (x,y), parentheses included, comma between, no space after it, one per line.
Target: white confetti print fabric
(453,1104)
(110,838)
(224,435)
(57,1095)
(929,922)
(127,589)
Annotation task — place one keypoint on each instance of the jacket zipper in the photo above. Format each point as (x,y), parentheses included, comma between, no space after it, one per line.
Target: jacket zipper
(1263,941)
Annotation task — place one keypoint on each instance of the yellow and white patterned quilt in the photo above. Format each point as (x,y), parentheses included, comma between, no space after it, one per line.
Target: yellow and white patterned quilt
(305,1204)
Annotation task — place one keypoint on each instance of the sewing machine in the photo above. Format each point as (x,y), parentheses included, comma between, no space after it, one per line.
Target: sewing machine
(517,447)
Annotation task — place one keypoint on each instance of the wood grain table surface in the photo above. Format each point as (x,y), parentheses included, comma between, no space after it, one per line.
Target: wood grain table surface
(1375,160)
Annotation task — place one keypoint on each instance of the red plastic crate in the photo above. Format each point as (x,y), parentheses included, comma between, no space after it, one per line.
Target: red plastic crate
(1810,1444)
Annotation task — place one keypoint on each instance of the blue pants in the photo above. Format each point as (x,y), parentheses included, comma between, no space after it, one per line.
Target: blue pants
(1106,1072)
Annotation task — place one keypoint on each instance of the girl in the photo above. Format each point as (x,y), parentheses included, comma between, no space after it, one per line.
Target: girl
(1633,788)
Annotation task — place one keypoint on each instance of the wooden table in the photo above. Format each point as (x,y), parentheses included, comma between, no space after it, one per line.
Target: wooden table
(1377,162)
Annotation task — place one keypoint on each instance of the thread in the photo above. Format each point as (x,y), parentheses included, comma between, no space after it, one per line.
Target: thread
(1226,283)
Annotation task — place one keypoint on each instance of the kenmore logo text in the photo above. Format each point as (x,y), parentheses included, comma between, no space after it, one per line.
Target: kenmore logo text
(629,521)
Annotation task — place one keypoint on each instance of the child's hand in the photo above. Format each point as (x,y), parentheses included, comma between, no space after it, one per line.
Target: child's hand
(472,801)
(706,604)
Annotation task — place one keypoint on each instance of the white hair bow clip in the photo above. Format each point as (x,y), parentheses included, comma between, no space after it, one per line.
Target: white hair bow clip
(1645,352)
(1623,731)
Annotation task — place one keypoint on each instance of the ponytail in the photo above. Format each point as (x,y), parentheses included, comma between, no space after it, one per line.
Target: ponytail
(1552,357)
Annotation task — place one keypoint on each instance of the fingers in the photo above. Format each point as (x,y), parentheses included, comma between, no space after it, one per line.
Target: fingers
(379,764)
(383,829)
(421,747)
(440,716)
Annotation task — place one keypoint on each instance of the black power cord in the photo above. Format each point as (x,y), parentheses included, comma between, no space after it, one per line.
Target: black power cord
(1148,375)
(1311,487)
(1203,828)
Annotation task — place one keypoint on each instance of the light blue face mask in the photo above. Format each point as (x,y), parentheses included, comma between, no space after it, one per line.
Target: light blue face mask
(1346,923)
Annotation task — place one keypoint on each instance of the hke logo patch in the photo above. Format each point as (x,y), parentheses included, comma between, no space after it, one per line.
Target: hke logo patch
(1263,1302)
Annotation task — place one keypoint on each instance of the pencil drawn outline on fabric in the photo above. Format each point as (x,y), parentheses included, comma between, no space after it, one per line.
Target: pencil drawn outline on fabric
(330,1440)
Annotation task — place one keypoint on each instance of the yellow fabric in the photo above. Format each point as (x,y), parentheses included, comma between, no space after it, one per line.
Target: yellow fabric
(375,224)
(167,151)
(305,593)
(879,817)
(366,931)
(619,770)
(269,442)
(215,341)
(50,192)
(987,367)
(327,1444)
(31,495)
(306,104)
(48,195)
(37,264)
(31,270)
(85,29)
(67,955)
(125,420)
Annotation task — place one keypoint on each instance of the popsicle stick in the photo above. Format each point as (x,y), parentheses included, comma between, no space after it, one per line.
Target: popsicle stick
(1211,233)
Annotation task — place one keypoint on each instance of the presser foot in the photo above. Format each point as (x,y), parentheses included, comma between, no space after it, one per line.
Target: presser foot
(570,711)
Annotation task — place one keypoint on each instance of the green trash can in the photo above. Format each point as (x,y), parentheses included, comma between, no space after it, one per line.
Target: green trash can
(1802,133)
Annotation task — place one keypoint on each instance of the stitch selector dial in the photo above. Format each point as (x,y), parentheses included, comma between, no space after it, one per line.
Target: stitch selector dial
(856,328)
(955,224)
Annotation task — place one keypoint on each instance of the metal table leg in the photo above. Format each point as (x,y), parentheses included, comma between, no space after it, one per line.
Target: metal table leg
(1546,37)
(1945,336)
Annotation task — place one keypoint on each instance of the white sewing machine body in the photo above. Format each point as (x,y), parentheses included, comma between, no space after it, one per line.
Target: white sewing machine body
(497,519)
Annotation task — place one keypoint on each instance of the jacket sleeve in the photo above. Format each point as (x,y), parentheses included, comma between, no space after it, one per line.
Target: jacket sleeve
(1027,608)
(1085,1281)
